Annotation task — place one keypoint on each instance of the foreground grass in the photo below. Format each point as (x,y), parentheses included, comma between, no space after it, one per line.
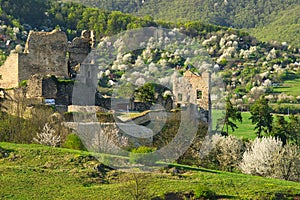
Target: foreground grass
(38,172)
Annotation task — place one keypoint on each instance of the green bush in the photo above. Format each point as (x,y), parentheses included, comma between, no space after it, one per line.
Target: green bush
(141,155)
(74,142)
(204,192)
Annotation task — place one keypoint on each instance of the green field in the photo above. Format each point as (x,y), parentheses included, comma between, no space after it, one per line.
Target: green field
(291,86)
(244,130)
(39,172)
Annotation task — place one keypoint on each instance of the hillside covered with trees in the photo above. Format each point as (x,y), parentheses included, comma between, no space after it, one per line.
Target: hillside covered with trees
(230,13)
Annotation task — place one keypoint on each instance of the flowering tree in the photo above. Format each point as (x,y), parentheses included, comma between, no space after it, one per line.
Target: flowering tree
(47,137)
(259,158)
(267,157)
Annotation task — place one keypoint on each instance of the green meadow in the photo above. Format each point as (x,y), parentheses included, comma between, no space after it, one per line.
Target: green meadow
(291,86)
(40,172)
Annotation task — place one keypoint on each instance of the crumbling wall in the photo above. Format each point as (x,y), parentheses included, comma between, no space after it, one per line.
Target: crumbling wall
(34,89)
(45,53)
(78,50)
(9,73)
(188,86)
(50,87)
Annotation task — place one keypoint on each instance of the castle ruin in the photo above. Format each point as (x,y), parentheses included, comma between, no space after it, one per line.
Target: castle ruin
(47,64)
(45,53)
(193,89)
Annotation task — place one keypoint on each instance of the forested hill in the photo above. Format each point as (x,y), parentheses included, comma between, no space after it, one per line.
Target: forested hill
(236,13)
(73,17)
(285,25)
(231,13)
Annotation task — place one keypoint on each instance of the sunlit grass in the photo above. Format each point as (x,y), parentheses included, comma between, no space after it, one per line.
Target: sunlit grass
(39,172)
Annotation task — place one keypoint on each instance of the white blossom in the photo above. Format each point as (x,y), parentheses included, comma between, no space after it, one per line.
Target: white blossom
(107,72)
(47,137)
(140,81)
(259,158)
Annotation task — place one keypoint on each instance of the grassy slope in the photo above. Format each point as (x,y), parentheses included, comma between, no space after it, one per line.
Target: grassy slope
(291,86)
(37,172)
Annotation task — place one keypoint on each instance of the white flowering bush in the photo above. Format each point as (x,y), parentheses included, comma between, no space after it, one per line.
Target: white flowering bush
(47,137)
(259,158)
(267,157)
(287,164)
(108,140)
(284,98)
(222,152)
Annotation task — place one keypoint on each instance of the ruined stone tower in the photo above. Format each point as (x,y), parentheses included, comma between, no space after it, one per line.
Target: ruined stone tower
(44,54)
(193,89)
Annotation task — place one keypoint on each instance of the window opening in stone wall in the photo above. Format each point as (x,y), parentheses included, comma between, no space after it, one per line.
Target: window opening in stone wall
(179,97)
(199,94)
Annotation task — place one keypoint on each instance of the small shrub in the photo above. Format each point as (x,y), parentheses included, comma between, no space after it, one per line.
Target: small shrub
(73,142)
(143,149)
(204,192)
(141,155)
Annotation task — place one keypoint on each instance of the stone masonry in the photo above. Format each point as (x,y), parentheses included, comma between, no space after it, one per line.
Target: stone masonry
(45,53)
(193,89)
(47,64)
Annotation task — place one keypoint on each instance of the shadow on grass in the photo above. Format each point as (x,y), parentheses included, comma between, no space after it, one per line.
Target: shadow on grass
(4,153)
(291,76)
(225,197)
(186,167)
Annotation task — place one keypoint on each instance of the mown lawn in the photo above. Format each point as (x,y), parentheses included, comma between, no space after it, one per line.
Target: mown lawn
(245,128)
(291,86)
(38,172)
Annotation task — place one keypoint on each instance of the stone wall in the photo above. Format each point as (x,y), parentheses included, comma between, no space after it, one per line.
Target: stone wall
(78,50)
(34,89)
(185,90)
(50,87)
(45,53)
(9,72)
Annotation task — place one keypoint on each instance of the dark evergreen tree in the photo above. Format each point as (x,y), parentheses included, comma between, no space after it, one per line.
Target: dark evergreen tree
(232,115)
(261,116)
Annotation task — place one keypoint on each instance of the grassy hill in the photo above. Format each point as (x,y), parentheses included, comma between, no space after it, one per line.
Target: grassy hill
(39,172)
